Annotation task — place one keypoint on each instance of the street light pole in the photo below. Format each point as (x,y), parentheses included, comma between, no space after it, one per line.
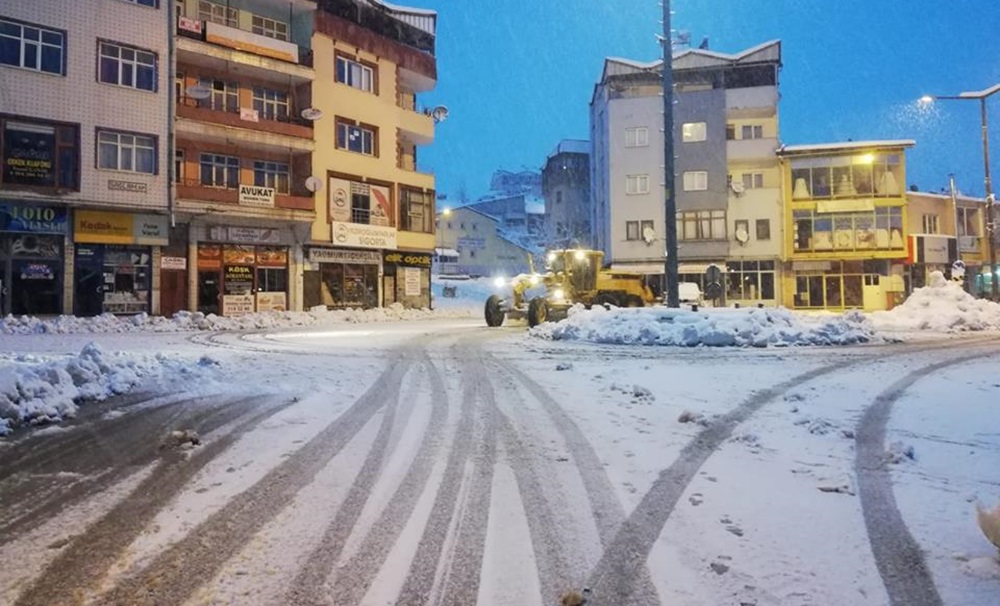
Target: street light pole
(672,265)
(991,221)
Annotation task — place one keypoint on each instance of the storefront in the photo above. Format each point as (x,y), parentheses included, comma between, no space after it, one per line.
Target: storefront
(407,278)
(113,261)
(32,241)
(871,285)
(339,278)
(238,277)
(930,253)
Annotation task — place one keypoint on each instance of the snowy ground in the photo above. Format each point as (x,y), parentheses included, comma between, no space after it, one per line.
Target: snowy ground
(380,457)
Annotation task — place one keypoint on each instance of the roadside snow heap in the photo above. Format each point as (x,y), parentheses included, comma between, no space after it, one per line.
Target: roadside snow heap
(34,391)
(941,306)
(184,321)
(720,327)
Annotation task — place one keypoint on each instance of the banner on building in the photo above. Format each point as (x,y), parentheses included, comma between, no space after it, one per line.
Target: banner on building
(32,219)
(358,235)
(253,195)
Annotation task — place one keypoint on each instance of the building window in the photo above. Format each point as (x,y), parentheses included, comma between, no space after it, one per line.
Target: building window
(730,132)
(32,47)
(356,74)
(753,180)
(695,180)
(225,96)
(692,132)
(217,13)
(752,131)
(631,230)
(646,230)
(968,222)
(558,197)
(178,166)
(930,224)
(220,171)
(356,138)
(150,3)
(750,280)
(636,184)
(128,152)
(271,28)
(863,175)
(127,66)
(701,225)
(415,211)
(881,229)
(270,104)
(39,154)
(179,8)
(636,136)
(742,230)
(271,174)
(763,229)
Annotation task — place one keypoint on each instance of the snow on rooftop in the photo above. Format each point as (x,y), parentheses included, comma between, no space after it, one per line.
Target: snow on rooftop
(811,147)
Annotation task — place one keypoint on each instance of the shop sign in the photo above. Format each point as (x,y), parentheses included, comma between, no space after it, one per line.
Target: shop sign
(101,227)
(134,187)
(351,257)
(37,271)
(272,256)
(250,42)
(252,195)
(411,281)
(209,257)
(249,235)
(238,255)
(26,218)
(249,114)
(363,236)
(407,259)
(180,263)
(471,243)
(271,301)
(29,154)
(845,206)
(189,25)
(151,230)
(237,305)
(372,201)
(932,249)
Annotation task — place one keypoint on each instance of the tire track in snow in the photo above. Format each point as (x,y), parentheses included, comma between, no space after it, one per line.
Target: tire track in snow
(898,556)
(90,555)
(614,579)
(174,575)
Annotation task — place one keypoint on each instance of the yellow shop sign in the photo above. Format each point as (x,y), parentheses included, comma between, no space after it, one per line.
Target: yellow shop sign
(100,227)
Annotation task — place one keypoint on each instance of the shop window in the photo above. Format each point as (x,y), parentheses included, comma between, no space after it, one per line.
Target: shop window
(130,152)
(220,171)
(881,229)
(217,13)
(40,154)
(357,138)
(271,279)
(32,47)
(637,136)
(415,211)
(862,175)
(355,74)
(272,28)
(271,174)
(270,104)
(127,66)
(750,280)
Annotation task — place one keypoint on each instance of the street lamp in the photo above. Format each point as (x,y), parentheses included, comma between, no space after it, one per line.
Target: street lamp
(981,96)
(445,212)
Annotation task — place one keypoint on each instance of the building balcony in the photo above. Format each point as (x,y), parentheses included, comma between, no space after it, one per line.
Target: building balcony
(193,190)
(243,118)
(415,28)
(416,127)
(745,150)
(752,102)
(260,58)
(201,125)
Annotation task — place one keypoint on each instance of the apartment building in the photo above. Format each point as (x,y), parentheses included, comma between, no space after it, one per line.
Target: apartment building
(566,190)
(372,239)
(728,183)
(944,228)
(84,108)
(245,129)
(846,225)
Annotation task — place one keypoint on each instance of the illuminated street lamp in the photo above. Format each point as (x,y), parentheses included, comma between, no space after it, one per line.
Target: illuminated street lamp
(445,212)
(981,96)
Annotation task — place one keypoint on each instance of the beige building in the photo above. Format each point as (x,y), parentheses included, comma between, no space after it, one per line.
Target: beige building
(482,245)
(84,140)
(945,228)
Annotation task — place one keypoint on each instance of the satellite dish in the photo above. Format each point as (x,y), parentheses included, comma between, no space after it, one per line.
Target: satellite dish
(439,113)
(742,236)
(649,235)
(198,91)
(311,113)
(737,187)
(314,183)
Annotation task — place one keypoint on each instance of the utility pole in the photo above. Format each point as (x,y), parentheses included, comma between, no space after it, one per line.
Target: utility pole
(670,204)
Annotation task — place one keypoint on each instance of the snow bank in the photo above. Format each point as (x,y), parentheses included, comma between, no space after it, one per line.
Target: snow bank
(187,321)
(941,306)
(34,391)
(712,327)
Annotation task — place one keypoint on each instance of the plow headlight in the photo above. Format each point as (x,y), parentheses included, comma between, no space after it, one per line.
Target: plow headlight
(558,294)
(535,278)
(499,282)
(580,255)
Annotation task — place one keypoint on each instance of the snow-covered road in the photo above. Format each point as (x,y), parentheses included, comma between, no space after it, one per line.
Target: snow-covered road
(440,462)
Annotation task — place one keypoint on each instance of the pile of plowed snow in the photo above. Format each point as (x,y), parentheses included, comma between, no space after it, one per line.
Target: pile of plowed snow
(941,306)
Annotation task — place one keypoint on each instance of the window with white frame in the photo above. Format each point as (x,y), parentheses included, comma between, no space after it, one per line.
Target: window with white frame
(636,184)
(637,136)
(930,224)
(695,180)
(272,28)
(701,225)
(224,96)
(356,138)
(32,47)
(271,174)
(218,170)
(270,104)
(217,13)
(752,131)
(692,132)
(127,66)
(753,180)
(631,230)
(355,74)
(128,152)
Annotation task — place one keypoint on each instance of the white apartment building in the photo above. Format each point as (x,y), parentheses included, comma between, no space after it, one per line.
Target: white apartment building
(83,148)
(727,176)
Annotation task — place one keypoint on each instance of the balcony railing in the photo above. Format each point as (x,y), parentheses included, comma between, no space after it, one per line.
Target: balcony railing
(244,112)
(383,21)
(194,189)
(245,40)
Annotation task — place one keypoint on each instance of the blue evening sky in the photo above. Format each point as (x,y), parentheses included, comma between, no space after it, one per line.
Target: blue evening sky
(517,75)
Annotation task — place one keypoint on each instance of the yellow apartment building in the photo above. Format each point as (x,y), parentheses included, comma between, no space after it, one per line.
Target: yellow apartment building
(846,225)
(944,228)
